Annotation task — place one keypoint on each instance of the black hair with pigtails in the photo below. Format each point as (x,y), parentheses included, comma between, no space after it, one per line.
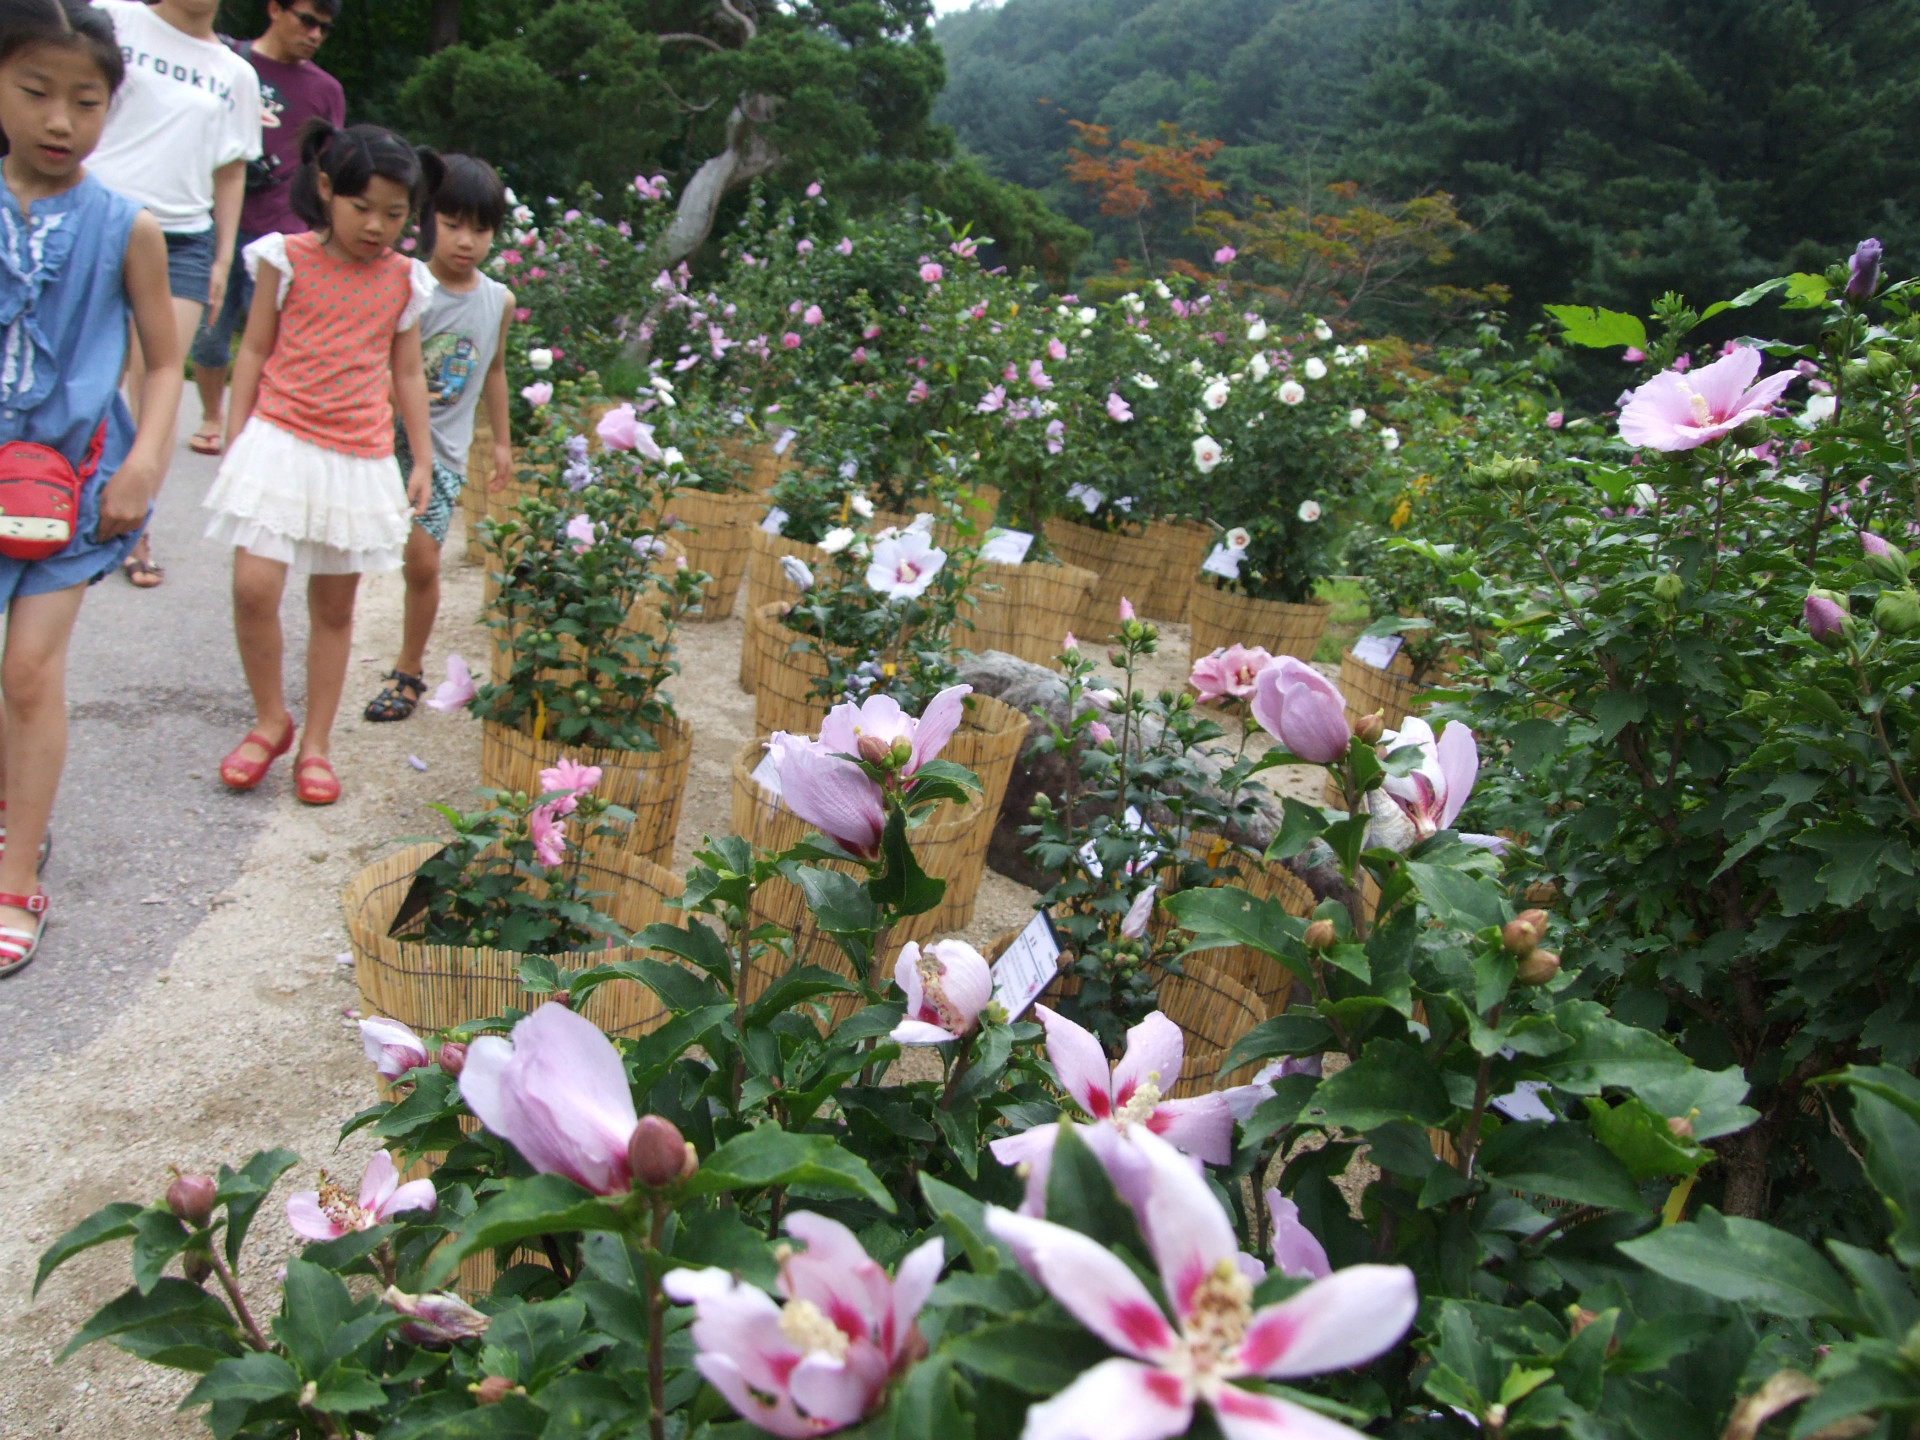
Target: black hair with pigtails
(350,159)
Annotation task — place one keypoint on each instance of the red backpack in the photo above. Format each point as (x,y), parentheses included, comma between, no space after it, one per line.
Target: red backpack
(40,496)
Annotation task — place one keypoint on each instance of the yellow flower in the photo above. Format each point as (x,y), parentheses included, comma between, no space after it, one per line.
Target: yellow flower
(1402,513)
(889,670)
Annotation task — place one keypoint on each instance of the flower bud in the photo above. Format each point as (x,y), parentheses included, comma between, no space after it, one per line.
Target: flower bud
(196,1267)
(1320,936)
(902,752)
(656,1152)
(1537,919)
(1681,1126)
(1897,612)
(453,1058)
(1880,364)
(190,1198)
(1538,968)
(691,1163)
(1754,432)
(1369,728)
(1863,271)
(1826,617)
(492,1390)
(1669,588)
(1857,374)
(1519,937)
(874,750)
(1884,560)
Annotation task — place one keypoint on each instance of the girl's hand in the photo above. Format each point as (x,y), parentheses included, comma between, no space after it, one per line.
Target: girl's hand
(216,292)
(126,498)
(420,486)
(502,465)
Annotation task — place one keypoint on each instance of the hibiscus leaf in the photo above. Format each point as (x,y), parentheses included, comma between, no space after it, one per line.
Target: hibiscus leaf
(540,1205)
(1540,1157)
(1227,915)
(157,1238)
(801,983)
(1034,1358)
(1390,1081)
(697,942)
(242,1190)
(1599,329)
(1301,824)
(115,1222)
(1747,1263)
(252,1378)
(1288,1034)
(771,1156)
(1750,296)
(175,1309)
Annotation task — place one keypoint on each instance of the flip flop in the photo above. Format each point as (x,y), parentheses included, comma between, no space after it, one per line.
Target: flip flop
(206,442)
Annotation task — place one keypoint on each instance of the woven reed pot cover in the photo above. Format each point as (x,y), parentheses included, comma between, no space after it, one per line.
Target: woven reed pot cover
(651,784)
(1030,609)
(1225,617)
(952,850)
(1264,880)
(765,579)
(431,987)
(779,677)
(1368,689)
(1183,545)
(716,540)
(1129,567)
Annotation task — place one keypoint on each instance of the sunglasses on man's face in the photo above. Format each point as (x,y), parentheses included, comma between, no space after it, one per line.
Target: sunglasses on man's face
(313,22)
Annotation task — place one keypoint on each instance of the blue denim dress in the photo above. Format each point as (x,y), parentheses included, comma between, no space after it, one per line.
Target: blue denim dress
(63,344)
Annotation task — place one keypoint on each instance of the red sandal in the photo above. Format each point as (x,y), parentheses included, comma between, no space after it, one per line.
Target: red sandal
(18,947)
(314,783)
(237,772)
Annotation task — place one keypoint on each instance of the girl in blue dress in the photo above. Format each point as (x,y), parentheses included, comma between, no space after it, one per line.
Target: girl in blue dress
(76,260)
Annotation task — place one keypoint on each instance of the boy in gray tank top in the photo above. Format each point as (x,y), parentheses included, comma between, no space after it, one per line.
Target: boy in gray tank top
(463,334)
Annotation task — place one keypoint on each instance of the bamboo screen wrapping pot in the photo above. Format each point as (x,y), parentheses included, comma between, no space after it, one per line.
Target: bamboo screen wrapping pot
(765,579)
(643,618)
(1183,545)
(988,743)
(953,850)
(1129,568)
(1264,880)
(651,784)
(432,987)
(1225,617)
(779,677)
(716,540)
(1368,689)
(473,495)
(1031,609)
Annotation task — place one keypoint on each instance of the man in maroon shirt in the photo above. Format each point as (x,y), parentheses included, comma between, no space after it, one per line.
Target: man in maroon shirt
(292,91)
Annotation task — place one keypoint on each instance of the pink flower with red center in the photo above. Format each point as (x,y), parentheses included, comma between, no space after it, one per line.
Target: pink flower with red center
(805,247)
(1214,1336)
(901,568)
(571,777)
(549,835)
(813,315)
(830,793)
(392,1047)
(1117,408)
(845,247)
(1225,255)
(918,394)
(931,272)
(1037,376)
(822,1360)
(1124,1098)
(458,689)
(790,340)
(1676,412)
(1413,807)
(328,1213)
(946,985)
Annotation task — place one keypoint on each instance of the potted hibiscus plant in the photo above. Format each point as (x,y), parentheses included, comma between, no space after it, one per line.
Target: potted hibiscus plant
(586,596)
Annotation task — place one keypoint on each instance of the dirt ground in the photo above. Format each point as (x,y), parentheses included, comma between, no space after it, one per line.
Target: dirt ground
(246,1040)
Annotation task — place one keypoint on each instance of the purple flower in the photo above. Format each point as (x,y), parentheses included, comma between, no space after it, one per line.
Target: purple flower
(832,794)
(1117,408)
(1826,618)
(1056,431)
(1863,271)
(993,400)
(393,1048)
(1303,710)
(1225,255)
(327,1213)
(1296,1251)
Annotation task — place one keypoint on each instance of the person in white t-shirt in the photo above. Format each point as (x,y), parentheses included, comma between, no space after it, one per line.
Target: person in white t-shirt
(182,129)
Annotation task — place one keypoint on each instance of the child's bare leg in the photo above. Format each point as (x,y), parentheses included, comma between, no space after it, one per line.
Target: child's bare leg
(329,641)
(33,679)
(186,315)
(422,573)
(257,587)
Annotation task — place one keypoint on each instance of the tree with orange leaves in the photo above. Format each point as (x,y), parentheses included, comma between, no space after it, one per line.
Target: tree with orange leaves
(1129,180)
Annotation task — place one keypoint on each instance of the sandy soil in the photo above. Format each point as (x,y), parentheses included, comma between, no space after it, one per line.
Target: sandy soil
(246,1039)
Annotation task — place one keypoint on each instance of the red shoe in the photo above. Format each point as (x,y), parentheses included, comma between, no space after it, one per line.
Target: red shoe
(314,783)
(18,947)
(237,772)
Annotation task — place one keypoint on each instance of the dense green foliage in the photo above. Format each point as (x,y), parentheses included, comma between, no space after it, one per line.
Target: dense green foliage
(1604,151)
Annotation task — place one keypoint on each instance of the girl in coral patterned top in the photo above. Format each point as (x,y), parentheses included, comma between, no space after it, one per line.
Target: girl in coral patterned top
(308,480)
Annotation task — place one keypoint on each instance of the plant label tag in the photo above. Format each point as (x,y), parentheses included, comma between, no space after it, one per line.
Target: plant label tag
(1090,857)
(1006,547)
(1524,1102)
(1378,650)
(1027,967)
(767,775)
(775,522)
(786,439)
(1223,562)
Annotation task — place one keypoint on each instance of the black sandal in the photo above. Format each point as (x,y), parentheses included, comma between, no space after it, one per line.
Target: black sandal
(393,703)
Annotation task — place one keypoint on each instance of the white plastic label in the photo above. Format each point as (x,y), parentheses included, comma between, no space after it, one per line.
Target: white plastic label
(775,522)
(1524,1102)
(1088,497)
(1006,547)
(1090,857)
(767,775)
(1377,650)
(786,439)
(1223,562)
(1026,968)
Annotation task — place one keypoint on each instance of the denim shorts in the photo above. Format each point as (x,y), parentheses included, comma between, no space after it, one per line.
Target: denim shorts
(212,347)
(87,560)
(190,265)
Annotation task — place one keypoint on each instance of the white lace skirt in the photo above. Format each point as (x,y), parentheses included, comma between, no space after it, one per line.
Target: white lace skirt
(283,498)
